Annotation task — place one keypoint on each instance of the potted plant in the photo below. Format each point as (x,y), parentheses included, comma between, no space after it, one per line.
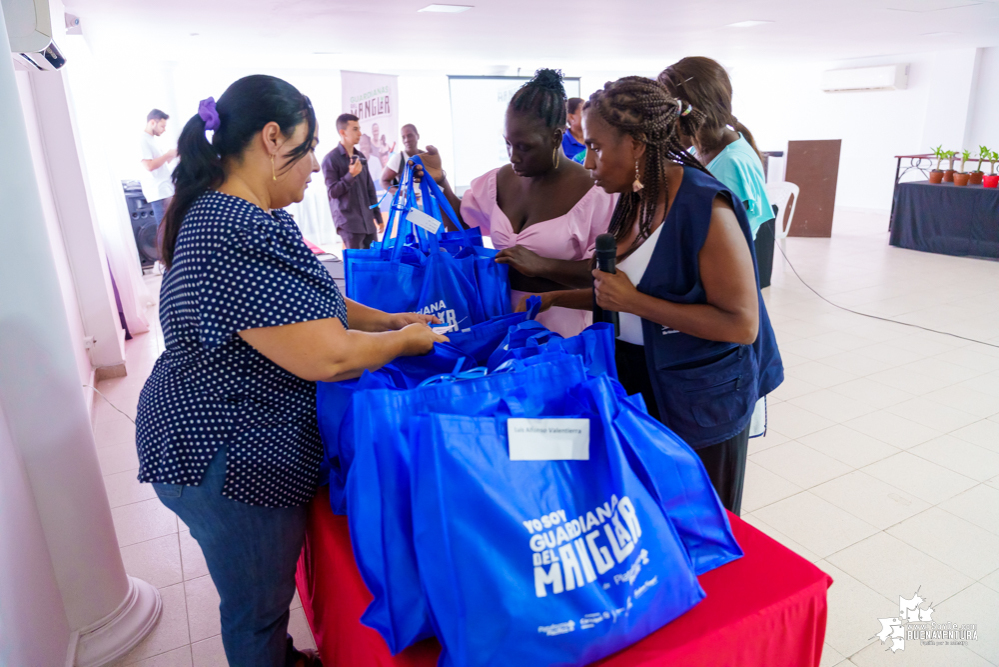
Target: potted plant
(936,175)
(960,177)
(949,172)
(992,180)
(977,174)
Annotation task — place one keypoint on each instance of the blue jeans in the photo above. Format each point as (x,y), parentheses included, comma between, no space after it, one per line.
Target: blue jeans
(159,208)
(251,553)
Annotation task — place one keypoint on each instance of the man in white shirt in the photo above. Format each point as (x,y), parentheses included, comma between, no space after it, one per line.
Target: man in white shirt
(156,172)
(392,171)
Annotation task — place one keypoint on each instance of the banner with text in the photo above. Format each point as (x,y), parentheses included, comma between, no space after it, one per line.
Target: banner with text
(374,99)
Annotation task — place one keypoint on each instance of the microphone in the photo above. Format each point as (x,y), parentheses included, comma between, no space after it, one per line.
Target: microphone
(606,255)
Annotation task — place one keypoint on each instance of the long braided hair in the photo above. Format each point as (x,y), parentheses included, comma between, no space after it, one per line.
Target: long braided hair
(644,109)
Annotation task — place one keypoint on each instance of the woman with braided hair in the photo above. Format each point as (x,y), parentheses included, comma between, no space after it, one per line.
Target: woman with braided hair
(695,338)
(725,146)
(541,210)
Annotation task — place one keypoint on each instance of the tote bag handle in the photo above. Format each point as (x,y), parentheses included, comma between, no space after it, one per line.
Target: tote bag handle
(436,201)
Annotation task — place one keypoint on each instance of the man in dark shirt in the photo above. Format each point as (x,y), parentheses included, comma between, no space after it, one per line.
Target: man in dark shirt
(350,188)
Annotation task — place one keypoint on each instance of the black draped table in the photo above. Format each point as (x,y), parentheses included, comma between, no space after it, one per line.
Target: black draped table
(946,219)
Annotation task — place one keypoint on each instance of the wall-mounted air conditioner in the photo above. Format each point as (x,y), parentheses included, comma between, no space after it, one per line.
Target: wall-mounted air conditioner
(29,28)
(886,77)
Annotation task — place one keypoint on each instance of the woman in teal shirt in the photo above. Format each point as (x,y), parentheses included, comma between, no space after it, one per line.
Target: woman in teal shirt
(725,146)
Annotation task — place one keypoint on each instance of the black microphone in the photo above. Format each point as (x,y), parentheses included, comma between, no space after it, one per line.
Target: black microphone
(606,255)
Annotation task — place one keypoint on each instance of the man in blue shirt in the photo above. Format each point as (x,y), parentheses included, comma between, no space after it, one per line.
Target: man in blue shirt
(572,140)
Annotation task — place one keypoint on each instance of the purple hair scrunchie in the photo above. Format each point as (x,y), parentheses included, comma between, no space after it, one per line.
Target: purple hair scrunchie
(206,109)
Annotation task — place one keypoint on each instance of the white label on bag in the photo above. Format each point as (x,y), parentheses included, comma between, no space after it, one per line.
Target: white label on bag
(549,439)
(421,219)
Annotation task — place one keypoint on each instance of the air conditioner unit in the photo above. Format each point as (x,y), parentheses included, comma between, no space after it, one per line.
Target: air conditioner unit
(29,28)
(886,77)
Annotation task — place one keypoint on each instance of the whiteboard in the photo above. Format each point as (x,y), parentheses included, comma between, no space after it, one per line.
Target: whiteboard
(478,111)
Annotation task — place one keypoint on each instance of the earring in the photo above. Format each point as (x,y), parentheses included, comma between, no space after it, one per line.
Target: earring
(637,185)
(555,157)
(273,173)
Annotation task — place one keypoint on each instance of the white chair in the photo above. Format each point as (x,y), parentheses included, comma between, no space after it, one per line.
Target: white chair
(782,194)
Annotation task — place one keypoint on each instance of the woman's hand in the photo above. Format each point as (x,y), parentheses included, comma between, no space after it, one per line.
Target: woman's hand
(398,321)
(614,291)
(431,159)
(420,339)
(524,261)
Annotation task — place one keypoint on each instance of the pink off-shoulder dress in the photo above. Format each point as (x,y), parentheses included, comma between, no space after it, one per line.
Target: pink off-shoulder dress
(572,236)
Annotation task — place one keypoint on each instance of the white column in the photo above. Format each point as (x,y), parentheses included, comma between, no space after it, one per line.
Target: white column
(47,419)
(33,627)
(84,246)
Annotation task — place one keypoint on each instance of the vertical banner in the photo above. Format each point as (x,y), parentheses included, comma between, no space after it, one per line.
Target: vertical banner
(374,99)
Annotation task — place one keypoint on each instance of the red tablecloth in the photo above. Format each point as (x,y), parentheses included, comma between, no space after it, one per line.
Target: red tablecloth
(768,608)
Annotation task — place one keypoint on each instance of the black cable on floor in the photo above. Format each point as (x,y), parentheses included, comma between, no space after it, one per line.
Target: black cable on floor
(875,317)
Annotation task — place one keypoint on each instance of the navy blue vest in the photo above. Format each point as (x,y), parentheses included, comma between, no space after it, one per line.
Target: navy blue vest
(706,390)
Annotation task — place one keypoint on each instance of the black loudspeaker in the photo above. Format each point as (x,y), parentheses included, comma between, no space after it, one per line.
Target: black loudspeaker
(144,225)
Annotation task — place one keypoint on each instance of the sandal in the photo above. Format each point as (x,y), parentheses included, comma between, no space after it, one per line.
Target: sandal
(307,658)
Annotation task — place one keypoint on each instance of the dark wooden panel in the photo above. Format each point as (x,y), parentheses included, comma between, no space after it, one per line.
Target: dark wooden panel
(813,166)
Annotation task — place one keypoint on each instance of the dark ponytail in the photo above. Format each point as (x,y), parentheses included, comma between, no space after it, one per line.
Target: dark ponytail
(746,134)
(244,109)
(543,97)
(704,84)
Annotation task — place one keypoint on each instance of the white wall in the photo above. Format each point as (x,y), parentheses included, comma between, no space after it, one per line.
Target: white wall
(951,89)
(786,103)
(983,125)
(782,103)
(64,273)
(952,98)
(425,101)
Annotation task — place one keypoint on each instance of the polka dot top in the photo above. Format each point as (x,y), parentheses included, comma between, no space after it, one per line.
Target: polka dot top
(235,267)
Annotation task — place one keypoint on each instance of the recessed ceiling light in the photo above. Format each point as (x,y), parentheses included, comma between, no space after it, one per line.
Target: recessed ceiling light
(937,34)
(446,9)
(747,24)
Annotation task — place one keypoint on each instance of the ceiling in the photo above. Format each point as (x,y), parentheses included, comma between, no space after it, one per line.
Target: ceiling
(500,35)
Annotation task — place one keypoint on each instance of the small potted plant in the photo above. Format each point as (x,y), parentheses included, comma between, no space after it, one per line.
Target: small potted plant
(949,171)
(936,175)
(992,180)
(960,177)
(977,174)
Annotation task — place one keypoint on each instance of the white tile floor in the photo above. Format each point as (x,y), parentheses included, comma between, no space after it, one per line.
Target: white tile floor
(881,464)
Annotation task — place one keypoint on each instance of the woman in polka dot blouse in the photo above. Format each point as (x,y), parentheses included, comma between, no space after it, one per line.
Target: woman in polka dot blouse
(227,428)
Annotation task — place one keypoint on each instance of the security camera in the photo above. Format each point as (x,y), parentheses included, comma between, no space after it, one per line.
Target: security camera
(73,26)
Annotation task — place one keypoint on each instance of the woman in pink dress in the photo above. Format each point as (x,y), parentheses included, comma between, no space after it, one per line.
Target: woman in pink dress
(542,210)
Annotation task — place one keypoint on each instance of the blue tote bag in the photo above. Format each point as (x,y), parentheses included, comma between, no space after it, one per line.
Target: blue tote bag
(595,345)
(479,264)
(379,509)
(333,401)
(539,562)
(671,471)
(480,341)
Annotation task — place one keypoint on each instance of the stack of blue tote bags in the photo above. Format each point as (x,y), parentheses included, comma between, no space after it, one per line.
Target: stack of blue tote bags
(505,495)
(420,268)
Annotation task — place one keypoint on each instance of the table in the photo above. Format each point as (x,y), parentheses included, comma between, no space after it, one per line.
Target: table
(767,609)
(946,219)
